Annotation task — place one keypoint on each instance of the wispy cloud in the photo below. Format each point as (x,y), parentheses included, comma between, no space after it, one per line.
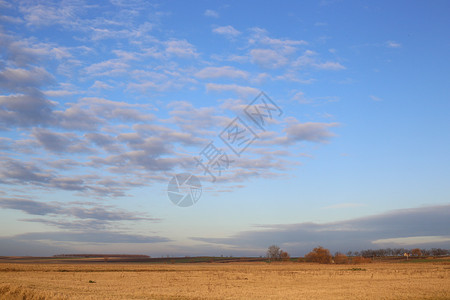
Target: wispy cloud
(106,106)
(96,237)
(181,48)
(268,58)
(393,44)
(375,98)
(238,89)
(41,208)
(296,131)
(211,13)
(228,31)
(309,59)
(80,222)
(67,129)
(261,36)
(218,72)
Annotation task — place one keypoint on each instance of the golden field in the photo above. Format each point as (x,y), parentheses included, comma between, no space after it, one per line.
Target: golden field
(258,280)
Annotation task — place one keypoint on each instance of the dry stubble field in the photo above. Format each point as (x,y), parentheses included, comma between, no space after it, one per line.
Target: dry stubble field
(225,281)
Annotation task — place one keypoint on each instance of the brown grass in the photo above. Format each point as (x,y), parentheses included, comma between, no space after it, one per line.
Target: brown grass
(225,281)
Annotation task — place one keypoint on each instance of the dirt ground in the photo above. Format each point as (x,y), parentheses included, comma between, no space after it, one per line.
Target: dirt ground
(225,281)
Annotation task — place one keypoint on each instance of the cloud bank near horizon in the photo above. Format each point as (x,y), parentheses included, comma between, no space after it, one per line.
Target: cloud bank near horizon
(422,227)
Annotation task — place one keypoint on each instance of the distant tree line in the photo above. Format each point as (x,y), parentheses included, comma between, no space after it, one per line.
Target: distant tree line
(399,252)
(323,255)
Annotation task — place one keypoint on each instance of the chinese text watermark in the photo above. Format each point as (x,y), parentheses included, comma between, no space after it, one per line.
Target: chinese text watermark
(185,189)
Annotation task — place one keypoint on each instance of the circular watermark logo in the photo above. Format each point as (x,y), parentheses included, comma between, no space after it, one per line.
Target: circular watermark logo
(184,189)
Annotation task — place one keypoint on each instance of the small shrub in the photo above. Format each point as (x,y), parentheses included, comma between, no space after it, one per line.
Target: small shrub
(340,258)
(360,260)
(285,256)
(319,255)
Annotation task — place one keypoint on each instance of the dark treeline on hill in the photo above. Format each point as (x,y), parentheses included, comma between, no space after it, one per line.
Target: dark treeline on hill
(399,252)
(101,255)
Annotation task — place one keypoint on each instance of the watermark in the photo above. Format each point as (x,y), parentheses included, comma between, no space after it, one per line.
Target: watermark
(185,189)
(238,136)
(213,160)
(262,110)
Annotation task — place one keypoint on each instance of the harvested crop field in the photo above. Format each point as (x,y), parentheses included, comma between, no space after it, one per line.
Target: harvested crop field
(256,280)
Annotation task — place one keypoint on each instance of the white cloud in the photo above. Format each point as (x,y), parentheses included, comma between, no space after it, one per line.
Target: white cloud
(25,110)
(107,68)
(180,48)
(164,78)
(101,85)
(24,79)
(198,121)
(309,59)
(238,58)
(310,131)
(238,89)
(300,97)
(284,43)
(260,78)
(292,76)
(4,3)
(45,15)
(260,36)
(60,142)
(10,19)
(268,58)
(217,72)
(375,98)
(59,93)
(228,31)
(105,33)
(315,132)
(105,136)
(148,85)
(329,65)
(392,44)
(211,13)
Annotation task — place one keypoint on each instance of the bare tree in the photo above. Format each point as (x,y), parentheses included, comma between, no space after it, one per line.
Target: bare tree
(438,251)
(274,252)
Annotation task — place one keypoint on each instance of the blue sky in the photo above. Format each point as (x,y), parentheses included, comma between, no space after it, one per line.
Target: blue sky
(102,104)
